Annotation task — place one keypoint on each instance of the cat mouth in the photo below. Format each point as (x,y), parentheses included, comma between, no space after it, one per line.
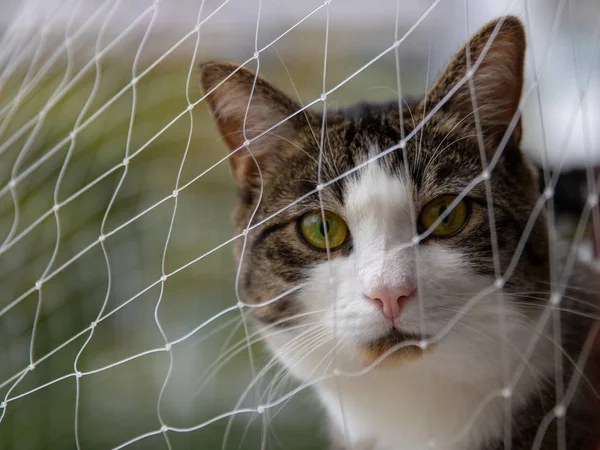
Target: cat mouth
(395,337)
(389,346)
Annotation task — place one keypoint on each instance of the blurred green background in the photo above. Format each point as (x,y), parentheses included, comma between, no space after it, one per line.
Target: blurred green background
(57,80)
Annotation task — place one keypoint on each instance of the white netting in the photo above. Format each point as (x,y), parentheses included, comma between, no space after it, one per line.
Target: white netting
(121,324)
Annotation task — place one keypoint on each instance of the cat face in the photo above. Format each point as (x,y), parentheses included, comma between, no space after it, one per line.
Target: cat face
(379,240)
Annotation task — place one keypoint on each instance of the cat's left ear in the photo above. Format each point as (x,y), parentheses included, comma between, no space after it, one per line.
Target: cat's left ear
(494,57)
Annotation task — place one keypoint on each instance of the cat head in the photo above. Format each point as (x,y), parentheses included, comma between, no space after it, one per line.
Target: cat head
(383,222)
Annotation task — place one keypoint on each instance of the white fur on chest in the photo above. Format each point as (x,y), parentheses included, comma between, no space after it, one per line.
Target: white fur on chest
(400,408)
(412,405)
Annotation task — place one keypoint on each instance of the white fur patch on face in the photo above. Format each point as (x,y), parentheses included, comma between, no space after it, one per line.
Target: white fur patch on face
(378,213)
(397,406)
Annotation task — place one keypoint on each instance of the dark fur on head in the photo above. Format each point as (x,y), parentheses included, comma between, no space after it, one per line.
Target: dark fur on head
(274,158)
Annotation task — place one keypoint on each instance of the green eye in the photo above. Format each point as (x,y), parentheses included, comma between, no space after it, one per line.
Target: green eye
(452,223)
(314,229)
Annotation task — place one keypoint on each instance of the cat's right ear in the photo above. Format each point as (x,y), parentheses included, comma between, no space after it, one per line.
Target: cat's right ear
(252,116)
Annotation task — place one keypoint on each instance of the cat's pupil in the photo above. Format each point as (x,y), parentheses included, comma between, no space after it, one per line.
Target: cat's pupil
(324,227)
(441,211)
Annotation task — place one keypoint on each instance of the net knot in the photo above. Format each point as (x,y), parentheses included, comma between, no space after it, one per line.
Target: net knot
(559,410)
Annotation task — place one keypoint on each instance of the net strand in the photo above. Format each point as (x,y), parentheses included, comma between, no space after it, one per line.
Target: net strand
(501,307)
(163,278)
(332,281)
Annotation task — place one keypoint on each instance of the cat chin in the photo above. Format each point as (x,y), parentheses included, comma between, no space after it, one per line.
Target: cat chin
(394,347)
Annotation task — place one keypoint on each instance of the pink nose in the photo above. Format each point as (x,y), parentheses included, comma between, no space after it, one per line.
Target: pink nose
(392,299)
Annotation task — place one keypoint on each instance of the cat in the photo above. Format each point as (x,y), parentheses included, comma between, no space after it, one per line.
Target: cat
(448,340)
